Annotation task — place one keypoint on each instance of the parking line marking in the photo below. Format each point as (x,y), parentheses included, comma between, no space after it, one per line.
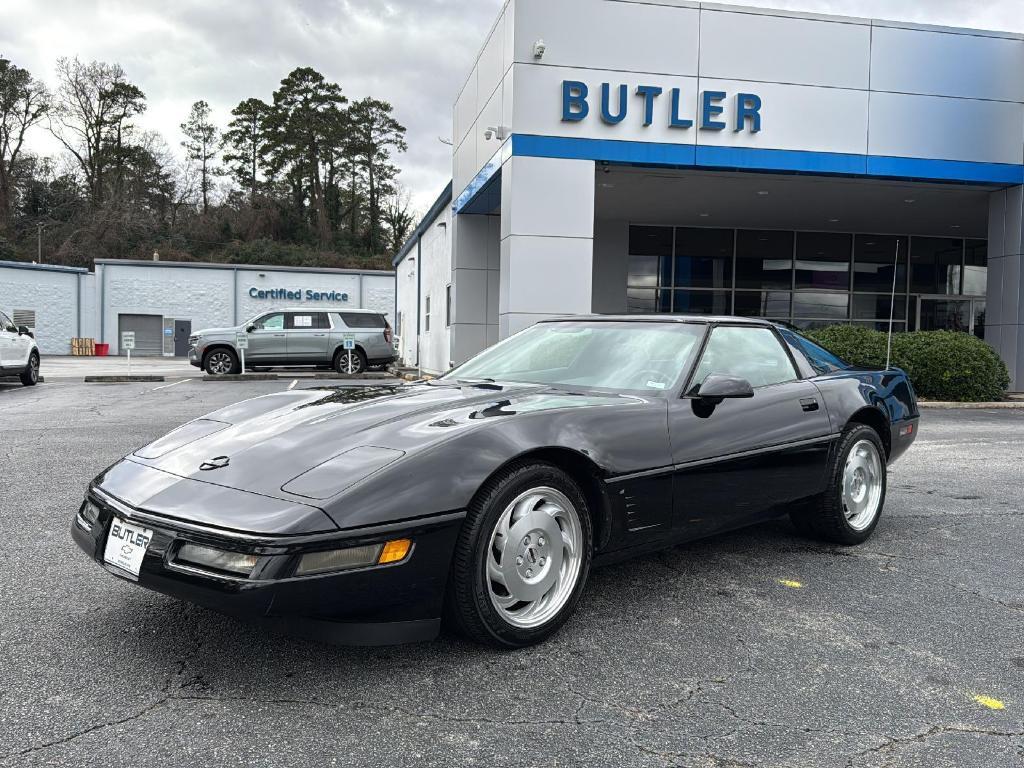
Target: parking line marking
(172,384)
(292,385)
(791,584)
(988,701)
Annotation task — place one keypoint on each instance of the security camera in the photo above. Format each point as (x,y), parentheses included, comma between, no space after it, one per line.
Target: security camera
(499,132)
(539,48)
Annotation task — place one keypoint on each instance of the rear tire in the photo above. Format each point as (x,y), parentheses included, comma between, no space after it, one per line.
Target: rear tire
(30,376)
(849,510)
(522,558)
(341,362)
(221,361)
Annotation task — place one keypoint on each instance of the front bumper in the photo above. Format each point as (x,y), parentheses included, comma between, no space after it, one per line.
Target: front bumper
(377,605)
(194,357)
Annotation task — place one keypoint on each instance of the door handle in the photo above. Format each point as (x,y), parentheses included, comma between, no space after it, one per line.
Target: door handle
(809,404)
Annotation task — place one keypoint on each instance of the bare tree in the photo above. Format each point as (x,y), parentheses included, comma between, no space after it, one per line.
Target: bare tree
(92,119)
(23,103)
(398,216)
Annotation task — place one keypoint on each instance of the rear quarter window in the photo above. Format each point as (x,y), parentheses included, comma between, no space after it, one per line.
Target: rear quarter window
(821,360)
(360,320)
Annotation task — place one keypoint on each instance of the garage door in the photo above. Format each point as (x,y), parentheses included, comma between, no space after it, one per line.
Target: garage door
(148,333)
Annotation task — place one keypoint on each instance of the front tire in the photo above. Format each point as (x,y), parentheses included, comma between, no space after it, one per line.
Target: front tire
(522,558)
(30,376)
(342,364)
(221,361)
(849,510)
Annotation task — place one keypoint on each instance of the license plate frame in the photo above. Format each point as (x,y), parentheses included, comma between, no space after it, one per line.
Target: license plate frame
(126,546)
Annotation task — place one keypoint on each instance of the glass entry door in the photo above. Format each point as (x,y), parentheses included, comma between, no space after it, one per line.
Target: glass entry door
(951,313)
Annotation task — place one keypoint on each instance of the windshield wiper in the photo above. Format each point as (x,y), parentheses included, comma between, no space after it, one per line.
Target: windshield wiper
(482,383)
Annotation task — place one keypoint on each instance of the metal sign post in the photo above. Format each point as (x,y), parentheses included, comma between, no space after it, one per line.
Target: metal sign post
(128,344)
(350,344)
(242,344)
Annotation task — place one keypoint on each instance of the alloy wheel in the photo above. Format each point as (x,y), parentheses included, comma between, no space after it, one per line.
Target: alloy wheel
(220,363)
(862,485)
(534,557)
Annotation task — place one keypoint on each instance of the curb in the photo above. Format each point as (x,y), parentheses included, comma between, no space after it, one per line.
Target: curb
(121,379)
(16,380)
(1002,405)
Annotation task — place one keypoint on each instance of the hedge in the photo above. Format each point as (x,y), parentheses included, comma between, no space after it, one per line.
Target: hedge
(942,365)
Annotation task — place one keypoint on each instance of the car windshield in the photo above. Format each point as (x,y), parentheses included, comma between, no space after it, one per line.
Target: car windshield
(631,356)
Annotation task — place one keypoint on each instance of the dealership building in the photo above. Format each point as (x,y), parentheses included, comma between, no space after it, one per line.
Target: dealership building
(162,302)
(670,156)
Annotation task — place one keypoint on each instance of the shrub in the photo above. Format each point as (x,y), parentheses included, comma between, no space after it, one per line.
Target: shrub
(943,365)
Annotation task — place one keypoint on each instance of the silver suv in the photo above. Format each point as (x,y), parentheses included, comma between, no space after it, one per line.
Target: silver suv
(294,337)
(19,354)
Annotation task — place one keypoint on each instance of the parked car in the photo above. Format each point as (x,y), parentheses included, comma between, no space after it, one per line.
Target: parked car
(296,337)
(19,353)
(485,496)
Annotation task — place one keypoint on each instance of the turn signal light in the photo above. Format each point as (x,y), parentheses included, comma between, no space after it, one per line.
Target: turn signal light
(394,551)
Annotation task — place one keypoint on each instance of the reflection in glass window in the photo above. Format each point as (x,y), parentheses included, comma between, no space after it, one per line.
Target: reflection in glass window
(641,300)
(754,354)
(979,318)
(870,306)
(271,323)
(643,271)
(823,260)
(874,259)
(935,264)
(824,305)
(701,303)
(764,259)
(771,304)
(976,269)
(703,258)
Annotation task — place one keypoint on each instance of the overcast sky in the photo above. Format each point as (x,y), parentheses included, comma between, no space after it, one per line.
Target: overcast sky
(413,53)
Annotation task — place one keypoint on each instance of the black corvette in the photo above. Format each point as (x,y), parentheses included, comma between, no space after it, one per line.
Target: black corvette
(365,515)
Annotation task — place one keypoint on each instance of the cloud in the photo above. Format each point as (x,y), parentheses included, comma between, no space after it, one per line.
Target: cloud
(414,53)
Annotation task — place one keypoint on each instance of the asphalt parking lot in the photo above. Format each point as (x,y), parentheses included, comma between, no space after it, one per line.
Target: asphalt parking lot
(756,648)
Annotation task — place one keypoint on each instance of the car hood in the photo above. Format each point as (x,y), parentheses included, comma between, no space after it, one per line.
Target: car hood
(310,446)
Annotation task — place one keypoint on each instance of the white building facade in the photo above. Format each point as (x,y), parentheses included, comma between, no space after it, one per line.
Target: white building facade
(674,156)
(164,302)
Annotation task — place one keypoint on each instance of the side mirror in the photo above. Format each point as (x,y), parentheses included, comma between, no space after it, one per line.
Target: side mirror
(23,330)
(717,388)
(250,329)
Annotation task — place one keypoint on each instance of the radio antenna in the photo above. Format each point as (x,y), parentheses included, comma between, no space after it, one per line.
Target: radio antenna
(892,304)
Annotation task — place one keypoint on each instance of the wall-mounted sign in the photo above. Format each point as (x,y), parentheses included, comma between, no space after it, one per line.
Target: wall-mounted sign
(277,294)
(715,110)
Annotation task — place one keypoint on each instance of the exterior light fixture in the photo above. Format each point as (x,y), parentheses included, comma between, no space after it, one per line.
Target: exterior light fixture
(539,48)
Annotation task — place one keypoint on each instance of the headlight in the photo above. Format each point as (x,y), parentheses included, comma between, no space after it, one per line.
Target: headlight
(193,340)
(353,557)
(216,559)
(88,514)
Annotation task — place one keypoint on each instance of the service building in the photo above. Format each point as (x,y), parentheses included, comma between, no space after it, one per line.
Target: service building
(162,302)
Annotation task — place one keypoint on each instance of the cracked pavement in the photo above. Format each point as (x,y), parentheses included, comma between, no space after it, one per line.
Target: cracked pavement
(697,656)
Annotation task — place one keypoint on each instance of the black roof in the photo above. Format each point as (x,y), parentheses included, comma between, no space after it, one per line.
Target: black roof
(704,319)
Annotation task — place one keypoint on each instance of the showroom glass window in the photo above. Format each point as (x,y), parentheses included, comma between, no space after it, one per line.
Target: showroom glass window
(809,279)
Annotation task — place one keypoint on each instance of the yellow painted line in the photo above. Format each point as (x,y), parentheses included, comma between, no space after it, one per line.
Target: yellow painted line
(988,701)
(791,584)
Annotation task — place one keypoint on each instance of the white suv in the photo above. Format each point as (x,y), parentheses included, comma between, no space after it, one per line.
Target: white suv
(19,355)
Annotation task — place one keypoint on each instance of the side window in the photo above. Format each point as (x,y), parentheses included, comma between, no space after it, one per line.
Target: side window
(301,321)
(5,323)
(362,320)
(750,353)
(821,360)
(271,322)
